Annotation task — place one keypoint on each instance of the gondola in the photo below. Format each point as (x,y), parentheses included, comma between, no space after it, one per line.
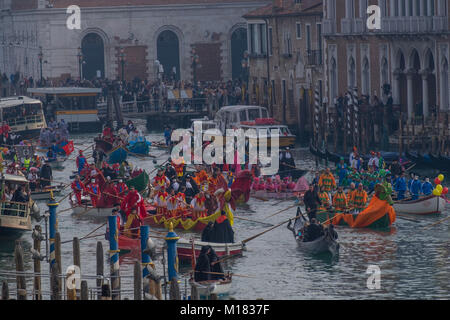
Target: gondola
(327,243)
(316,152)
(186,247)
(334,157)
(139,147)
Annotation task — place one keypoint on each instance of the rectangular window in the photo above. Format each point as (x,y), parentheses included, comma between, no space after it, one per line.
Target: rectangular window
(263,38)
(251,41)
(270,41)
(308,38)
(274,100)
(298,28)
(284,92)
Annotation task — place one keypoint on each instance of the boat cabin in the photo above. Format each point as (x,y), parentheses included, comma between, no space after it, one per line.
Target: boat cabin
(77,106)
(14,216)
(24,115)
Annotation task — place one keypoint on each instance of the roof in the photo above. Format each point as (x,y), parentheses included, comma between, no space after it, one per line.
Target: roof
(287,8)
(64,90)
(13,177)
(17,101)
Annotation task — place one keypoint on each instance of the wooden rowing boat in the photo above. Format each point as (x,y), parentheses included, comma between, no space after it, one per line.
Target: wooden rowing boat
(184,248)
(139,147)
(117,155)
(186,224)
(217,287)
(104,145)
(140,182)
(423,206)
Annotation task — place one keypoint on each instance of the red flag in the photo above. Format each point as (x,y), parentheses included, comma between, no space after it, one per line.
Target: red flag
(68,148)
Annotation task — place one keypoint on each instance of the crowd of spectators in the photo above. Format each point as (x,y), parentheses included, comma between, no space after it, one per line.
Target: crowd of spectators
(147,93)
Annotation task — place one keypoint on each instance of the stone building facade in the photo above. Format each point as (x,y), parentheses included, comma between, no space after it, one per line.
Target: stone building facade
(285,46)
(410,52)
(142,30)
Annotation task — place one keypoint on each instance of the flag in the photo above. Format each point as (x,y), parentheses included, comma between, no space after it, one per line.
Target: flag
(68,148)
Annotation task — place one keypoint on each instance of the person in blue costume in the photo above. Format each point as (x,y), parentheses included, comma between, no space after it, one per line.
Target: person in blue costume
(341,171)
(411,180)
(416,188)
(400,187)
(427,187)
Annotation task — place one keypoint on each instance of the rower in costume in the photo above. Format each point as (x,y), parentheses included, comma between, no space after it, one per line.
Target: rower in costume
(78,188)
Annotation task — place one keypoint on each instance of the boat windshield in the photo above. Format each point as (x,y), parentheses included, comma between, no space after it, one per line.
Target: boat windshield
(243,115)
(77,103)
(253,114)
(264,114)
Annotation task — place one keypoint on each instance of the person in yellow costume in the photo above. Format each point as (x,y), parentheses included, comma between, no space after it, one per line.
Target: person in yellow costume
(327,181)
(350,194)
(324,199)
(359,198)
(340,200)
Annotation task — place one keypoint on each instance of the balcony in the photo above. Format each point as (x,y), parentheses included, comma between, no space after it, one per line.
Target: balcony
(329,26)
(413,24)
(346,26)
(314,57)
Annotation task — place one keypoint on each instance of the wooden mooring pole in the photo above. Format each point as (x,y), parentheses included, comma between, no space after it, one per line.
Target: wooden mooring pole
(37,236)
(20,278)
(100,268)
(5,291)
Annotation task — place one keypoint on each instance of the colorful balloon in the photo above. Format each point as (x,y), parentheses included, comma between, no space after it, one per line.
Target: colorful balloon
(437,181)
(445,190)
(441,177)
(439,188)
(436,193)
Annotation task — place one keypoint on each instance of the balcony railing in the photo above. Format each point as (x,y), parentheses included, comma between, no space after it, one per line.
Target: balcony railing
(25,120)
(314,57)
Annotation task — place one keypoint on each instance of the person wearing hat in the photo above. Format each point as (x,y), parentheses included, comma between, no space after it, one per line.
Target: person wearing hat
(133,200)
(160,201)
(354,157)
(340,200)
(116,212)
(94,192)
(359,199)
(46,175)
(198,206)
(416,188)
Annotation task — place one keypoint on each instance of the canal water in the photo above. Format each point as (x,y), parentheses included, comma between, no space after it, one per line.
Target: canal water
(413,261)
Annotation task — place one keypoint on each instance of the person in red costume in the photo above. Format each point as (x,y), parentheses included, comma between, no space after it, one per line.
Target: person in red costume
(109,195)
(134,222)
(121,188)
(107,134)
(5,129)
(133,200)
(78,187)
(94,192)
(160,181)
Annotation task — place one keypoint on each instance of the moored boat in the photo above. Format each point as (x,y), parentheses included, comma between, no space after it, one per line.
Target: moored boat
(184,248)
(217,287)
(423,206)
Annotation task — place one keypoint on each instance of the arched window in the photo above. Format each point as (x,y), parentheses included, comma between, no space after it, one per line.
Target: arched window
(351,73)
(365,88)
(384,72)
(445,101)
(333,77)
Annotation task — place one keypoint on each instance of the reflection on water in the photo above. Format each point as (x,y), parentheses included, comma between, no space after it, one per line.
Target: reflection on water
(413,260)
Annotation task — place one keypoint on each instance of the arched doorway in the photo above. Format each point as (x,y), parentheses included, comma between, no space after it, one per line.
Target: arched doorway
(365,88)
(93,50)
(238,47)
(431,79)
(168,53)
(351,73)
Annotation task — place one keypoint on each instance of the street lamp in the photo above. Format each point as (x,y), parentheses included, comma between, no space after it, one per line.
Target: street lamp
(122,56)
(40,57)
(195,60)
(80,62)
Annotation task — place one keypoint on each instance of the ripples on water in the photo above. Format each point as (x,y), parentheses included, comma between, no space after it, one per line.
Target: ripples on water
(414,262)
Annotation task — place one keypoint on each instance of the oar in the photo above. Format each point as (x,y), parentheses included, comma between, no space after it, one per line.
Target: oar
(261,233)
(436,223)
(411,167)
(240,218)
(260,198)
(225,274)
(278,212)
(407,218)
(93,231)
